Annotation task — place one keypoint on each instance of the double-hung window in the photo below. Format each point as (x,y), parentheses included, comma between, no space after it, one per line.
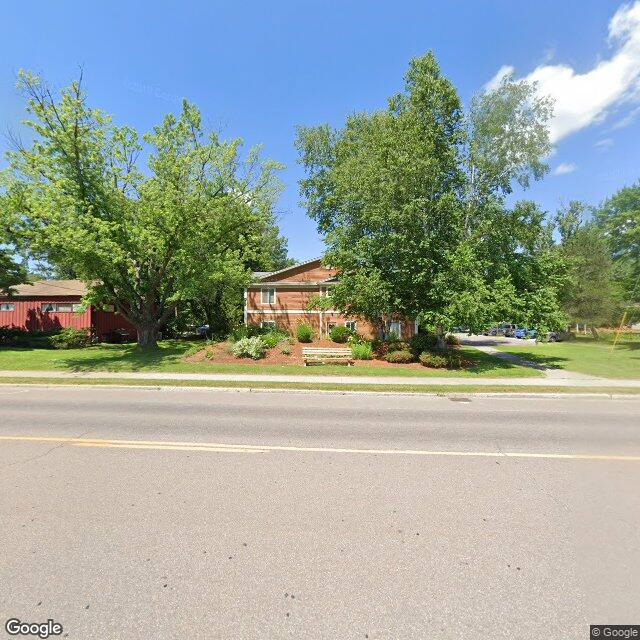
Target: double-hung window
(395,328)
(268,296)
(350,324)
(7,306)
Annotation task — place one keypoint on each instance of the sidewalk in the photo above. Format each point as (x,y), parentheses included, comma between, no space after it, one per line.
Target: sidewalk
(568,380)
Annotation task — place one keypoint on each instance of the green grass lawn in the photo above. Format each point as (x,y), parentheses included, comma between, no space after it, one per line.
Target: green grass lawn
(586,355)
(169,357)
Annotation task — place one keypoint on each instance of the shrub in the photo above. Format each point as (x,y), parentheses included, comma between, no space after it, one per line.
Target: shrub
(451,340)
(286,350)
(304,333)
(404,356)
(451,360)
(70,338)
(362,350)
(245,331)
(422,342)
(248,348)
(340,334)
(11,336)
(273,337)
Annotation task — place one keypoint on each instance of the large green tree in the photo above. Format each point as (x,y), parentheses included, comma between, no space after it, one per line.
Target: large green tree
(145,239)
(619,219)
(410,202)
(591,293)
(11,273)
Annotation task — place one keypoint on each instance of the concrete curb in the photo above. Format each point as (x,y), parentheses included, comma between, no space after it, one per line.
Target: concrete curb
(443,394)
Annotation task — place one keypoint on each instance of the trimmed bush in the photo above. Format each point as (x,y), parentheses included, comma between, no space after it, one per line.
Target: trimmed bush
(403,356)
(433,360)
(70,338)
(273,337)
(248,348)
(11,336)
(286,350)
(422,342)
(340,334)
(451,360)
(304,333)
(362,350)
(451,340)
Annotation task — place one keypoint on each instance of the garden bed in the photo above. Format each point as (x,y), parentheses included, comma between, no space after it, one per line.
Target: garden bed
(219,354)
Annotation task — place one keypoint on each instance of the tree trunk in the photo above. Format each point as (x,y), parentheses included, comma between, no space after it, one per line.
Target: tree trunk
(147,335)
(595,333)
(441,345)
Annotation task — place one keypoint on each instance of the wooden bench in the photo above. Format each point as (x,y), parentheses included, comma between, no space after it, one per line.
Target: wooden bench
(326,355)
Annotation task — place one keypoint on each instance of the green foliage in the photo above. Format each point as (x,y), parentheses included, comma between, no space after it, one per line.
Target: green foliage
(248,348)
(591,294)
(362,350)
(11,273)
(400,357)
(319,302)
(619,219)
(285,350)
(410,202)
(433,360)
(71,338)
(340,334)
(273,337)
(304,333)
(245,331)
(448,360)
(422,341)
(195,220)
(11,336)
(451,340)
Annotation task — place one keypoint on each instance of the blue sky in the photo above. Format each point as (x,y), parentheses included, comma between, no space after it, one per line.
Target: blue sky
(258,69)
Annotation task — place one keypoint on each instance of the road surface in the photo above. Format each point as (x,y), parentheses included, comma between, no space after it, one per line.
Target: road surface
(156,514)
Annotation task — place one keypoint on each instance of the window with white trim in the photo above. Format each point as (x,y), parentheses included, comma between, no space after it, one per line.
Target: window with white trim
(61,307)
(395,328)
(350,324)
(7,306)
(268,296)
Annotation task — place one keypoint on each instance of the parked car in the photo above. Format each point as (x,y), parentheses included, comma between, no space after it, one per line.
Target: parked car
(503,329)
(521,333)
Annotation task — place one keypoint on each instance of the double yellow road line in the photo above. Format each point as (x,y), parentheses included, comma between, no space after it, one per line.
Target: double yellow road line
(218,447)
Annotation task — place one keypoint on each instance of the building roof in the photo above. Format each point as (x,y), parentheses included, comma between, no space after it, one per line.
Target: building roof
(260,275)
(48,288)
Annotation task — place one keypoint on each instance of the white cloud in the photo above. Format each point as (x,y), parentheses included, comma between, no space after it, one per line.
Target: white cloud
(605,143)
(564,168)
(582,99)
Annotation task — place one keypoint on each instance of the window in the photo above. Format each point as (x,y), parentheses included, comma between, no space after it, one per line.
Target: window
(7,306)
(268,296)
(350,324)
(395,328)
(268,324)
(61,307)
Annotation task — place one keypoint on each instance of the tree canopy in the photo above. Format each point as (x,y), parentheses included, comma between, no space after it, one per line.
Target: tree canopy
(619,219)
(144,238)
(409,200)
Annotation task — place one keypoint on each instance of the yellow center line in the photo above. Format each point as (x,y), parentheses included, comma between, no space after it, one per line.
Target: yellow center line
(219,447)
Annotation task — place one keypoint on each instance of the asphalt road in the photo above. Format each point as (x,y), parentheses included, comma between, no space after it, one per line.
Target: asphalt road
(161,514)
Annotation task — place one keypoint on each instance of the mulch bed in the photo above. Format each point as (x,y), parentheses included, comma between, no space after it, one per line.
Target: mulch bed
(219,354)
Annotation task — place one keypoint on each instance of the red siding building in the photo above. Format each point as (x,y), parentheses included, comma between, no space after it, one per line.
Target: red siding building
(50,305)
